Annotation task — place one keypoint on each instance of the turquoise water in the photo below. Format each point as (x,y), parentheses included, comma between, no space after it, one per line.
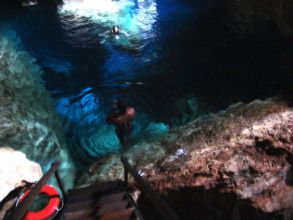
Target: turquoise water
(177,61)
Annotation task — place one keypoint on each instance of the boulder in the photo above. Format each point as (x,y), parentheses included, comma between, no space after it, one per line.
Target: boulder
(14,168)
(235,161)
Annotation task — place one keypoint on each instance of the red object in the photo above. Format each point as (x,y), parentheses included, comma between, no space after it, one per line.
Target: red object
(120,120)
(50,209)
(130,113)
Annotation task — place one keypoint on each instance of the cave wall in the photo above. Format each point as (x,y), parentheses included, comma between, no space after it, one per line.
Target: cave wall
(28,122)
(235,164)
(248,15)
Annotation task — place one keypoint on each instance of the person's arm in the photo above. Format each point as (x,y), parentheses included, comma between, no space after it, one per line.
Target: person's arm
(124,32)
(104,34)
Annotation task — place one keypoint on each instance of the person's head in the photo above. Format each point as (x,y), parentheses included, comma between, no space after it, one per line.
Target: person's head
(115,29)
(120,105)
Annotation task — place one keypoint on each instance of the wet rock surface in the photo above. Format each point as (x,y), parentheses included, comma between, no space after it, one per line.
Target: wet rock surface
(245,150)
(28,121)
(237,159)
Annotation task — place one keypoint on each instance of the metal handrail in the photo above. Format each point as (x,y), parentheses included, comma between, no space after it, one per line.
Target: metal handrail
(19,212)
(149,193)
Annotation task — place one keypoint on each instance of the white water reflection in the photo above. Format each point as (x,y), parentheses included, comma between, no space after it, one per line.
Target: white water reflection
(135,17)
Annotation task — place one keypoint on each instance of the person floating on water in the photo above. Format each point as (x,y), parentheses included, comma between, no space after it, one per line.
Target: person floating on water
(27,3)
(115,31)
(122,118)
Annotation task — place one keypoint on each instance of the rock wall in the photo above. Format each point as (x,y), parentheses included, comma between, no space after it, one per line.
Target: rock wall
(247,14)
(244,152)
(28,122)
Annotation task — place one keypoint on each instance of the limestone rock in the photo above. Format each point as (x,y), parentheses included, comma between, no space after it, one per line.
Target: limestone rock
(245,151)
(15,167)
(28,121)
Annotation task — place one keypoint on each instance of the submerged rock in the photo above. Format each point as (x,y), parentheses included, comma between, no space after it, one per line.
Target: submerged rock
(244,152)
(28,121)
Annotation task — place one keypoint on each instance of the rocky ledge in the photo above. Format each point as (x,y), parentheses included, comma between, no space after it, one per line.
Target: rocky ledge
(235,163)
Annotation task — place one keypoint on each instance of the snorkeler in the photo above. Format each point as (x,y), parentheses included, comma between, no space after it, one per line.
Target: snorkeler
(115,31)
(122,118)
(27,3)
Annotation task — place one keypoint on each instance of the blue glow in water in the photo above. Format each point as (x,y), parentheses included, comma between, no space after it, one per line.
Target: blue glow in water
(75,107)
(132,16)
(96,67)
(127,61)
(58,66)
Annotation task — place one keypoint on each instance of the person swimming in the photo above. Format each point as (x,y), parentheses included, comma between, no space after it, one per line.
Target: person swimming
(122,118)
(29,3)
(115,31)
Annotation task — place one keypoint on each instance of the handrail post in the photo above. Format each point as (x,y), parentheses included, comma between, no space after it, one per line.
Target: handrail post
(125,172)
(125,176)
(60,184)
(162,207)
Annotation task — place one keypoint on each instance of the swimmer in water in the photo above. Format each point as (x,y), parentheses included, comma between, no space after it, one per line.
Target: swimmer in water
(29,3)
(115,31)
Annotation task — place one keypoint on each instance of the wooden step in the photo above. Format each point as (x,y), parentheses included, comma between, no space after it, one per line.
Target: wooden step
(92,188)
(125,214)
(94,185)
(87,218)
(113,207)
(111,198)
(80,214)
(80,205)
(73,218)
(91,191)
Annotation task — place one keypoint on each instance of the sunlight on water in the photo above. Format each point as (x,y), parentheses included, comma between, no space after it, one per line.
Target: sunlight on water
(85,7)
(136,18)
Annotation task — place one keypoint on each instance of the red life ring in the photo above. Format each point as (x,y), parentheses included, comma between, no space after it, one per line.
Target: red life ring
(50,209)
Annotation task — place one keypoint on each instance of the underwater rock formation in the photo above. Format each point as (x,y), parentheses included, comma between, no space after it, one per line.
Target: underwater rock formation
(15,167)
(247,14)
(28,122)
(245,151)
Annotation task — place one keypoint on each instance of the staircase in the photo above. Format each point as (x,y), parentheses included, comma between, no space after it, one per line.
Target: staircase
(101,201)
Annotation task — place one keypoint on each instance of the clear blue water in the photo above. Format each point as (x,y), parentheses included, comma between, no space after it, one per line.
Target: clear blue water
(177,50)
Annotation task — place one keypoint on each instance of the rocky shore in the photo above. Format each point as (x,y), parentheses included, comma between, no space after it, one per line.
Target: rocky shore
(240,157)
